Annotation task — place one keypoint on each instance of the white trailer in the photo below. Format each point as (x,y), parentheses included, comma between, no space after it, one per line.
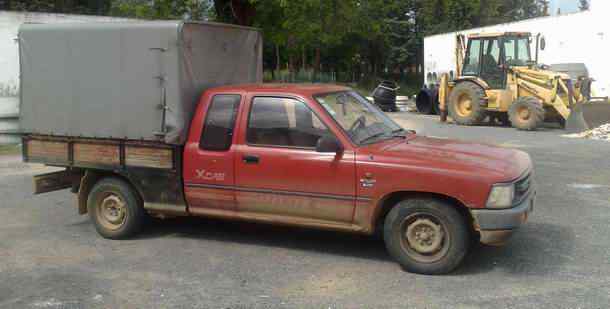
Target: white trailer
(576,38)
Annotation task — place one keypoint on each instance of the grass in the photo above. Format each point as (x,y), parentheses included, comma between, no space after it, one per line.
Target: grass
(10,149)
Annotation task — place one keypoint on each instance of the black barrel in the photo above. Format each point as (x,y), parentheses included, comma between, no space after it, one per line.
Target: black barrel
(385,96)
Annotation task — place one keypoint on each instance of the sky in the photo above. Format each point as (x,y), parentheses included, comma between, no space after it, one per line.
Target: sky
(567,6)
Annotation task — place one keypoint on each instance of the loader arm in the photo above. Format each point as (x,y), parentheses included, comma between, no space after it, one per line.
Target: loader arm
(552,89)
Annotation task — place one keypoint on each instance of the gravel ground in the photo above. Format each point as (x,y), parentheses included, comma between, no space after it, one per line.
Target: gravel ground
(50,257)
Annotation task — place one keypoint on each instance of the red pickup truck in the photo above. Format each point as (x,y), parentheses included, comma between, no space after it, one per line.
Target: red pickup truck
(120,107)
(317,156)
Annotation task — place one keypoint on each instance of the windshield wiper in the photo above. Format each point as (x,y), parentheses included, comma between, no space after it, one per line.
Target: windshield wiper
(401,130)
(370,137)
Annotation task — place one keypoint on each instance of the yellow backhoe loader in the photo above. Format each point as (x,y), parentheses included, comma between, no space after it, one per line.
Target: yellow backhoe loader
(497,77)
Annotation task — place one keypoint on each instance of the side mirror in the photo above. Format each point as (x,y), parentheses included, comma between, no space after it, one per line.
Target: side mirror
(542,43)
(328,144)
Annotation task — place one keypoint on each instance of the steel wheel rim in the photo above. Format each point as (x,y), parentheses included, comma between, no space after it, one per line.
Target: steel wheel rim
(524,113)
(424,237)
(111,211)
(464,105)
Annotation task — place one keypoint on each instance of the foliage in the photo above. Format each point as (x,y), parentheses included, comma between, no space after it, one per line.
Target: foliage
(160,9)
(354,38)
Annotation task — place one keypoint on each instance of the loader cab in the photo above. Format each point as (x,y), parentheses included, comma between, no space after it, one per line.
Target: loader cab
(489,56)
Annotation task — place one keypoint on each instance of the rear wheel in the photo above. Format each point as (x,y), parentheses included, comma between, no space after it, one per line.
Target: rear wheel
(526,113)
(115,209)
(426,236)
(467,103)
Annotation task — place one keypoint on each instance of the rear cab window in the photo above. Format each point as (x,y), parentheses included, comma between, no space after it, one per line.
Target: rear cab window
(219,123)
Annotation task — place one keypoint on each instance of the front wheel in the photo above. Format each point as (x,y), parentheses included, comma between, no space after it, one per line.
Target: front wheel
(526,113)
(426,236)
(115,209)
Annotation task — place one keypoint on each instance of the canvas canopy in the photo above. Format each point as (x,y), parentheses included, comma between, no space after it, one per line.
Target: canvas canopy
(128,80)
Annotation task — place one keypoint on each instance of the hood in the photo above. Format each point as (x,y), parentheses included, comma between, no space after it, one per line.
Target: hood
(494,163)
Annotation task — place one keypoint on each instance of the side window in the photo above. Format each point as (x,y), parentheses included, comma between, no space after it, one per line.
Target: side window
(491,51)
(523,48)
(509,51)
(283,122)
(471,64)
(217,133)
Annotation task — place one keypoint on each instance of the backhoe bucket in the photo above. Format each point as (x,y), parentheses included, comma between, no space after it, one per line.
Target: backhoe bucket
(576,121)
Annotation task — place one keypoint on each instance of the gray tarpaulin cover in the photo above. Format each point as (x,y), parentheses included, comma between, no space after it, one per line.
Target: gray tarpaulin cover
(111,80)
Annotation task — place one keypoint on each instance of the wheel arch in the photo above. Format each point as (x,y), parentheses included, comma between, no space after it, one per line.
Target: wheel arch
(479,82)
(92,177)
(390,200)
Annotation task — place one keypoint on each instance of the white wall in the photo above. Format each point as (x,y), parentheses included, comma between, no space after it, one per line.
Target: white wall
(582,37)
(9,61)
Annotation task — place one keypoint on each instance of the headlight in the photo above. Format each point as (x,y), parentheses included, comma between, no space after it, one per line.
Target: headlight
(501,196)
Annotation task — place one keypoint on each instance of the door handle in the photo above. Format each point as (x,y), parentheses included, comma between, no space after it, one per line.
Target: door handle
(250,159)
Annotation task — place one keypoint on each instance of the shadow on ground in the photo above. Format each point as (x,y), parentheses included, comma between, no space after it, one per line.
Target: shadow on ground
(535,249)
(334,243)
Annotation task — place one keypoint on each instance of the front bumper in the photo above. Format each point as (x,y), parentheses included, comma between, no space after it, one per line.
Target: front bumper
(496,226)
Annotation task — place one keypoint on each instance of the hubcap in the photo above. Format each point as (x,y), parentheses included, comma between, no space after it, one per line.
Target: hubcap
(424,236)
(464,105)
(111,212)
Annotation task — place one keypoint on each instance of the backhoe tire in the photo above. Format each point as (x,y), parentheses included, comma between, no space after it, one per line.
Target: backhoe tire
(526,113)
(467,103)
(115,209)
(426,236)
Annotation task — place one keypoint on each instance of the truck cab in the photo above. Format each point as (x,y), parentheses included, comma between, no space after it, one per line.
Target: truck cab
(488,56)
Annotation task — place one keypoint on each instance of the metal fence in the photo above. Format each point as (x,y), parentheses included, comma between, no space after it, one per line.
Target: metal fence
(9,120)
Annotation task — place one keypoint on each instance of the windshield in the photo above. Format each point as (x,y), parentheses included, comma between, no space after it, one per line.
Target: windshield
(517,51)
(363,122)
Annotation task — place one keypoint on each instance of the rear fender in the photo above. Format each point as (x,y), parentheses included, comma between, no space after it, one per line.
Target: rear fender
(473,79)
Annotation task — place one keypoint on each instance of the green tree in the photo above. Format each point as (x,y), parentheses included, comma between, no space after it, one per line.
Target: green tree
(161,9)
(58,6)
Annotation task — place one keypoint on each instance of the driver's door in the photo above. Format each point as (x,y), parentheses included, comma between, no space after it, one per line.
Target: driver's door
(492,71)
(279,174)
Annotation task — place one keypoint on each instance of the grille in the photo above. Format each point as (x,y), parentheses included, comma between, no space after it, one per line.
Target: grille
(522,187)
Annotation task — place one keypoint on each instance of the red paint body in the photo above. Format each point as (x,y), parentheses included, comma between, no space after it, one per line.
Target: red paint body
(305,187)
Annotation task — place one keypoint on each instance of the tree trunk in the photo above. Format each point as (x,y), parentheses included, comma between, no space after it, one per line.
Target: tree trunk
(291,67)
(278,65)
(304,59)
(316,65)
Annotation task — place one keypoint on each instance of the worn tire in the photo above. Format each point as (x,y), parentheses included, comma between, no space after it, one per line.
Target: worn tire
(467,103)
(128,216)
(410,216)
(526,113)
(424,102)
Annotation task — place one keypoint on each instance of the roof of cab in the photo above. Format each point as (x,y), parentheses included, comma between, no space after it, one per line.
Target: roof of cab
(497,34)
(294,89)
